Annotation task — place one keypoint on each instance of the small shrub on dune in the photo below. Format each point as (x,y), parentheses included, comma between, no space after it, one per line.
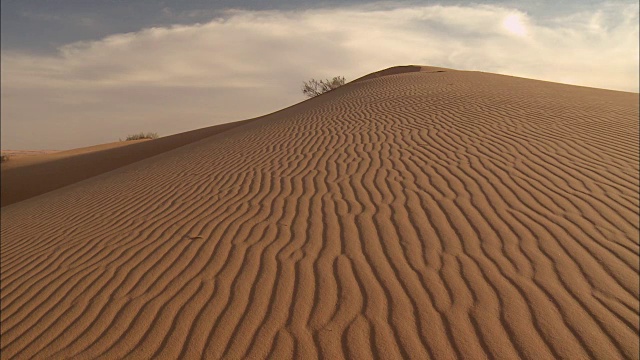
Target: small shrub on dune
(5,157)
(141,136)
(315,87)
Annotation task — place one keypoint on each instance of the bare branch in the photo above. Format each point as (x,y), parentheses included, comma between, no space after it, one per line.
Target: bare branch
(315,87)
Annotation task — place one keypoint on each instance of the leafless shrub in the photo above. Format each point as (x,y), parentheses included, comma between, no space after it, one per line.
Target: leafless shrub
(142,135)
(315,87)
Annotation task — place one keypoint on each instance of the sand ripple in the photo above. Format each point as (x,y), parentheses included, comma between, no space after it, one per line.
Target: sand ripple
(416,215)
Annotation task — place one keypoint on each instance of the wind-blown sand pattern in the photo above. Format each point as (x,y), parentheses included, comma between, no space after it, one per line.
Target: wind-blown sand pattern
(27,176)
(431,214)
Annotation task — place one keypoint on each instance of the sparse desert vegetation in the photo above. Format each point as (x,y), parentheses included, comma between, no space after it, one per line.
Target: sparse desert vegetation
(4,158)
(315,87)
(141,136)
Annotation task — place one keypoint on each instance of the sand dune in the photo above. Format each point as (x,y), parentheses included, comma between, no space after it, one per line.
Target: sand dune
(19,154)
(25,177)
(412,214)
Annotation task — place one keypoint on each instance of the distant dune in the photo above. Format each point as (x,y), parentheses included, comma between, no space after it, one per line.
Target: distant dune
(24,176)
(18,154)
(416,213)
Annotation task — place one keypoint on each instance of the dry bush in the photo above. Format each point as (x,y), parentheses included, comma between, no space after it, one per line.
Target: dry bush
(315,87)
(141,135)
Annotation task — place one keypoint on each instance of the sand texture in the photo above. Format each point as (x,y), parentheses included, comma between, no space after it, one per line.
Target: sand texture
(24,176)
(433,214)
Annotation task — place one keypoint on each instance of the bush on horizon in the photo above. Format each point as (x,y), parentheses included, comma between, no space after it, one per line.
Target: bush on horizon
(141,135)
(313,87)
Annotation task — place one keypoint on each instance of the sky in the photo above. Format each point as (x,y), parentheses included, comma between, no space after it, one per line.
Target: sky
(84,72)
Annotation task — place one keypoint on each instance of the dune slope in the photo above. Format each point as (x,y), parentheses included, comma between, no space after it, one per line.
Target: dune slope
(25,177)
(417,215)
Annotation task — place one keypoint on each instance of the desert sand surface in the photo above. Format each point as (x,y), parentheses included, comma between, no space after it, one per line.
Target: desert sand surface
(31,173)
(19,154)
(412,214)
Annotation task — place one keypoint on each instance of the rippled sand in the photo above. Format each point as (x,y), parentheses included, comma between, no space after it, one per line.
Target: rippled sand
(411,214)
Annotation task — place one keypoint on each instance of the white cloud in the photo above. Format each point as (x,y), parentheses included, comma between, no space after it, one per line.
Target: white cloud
(247,63)
(514,24)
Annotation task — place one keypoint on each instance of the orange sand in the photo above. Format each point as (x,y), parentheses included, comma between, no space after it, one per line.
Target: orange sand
(18,154)
(410,214)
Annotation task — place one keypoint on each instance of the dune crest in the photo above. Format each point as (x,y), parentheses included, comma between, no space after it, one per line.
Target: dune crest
(419,214)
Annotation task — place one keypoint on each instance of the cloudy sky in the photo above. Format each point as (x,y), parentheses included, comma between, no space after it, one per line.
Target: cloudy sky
(82,72)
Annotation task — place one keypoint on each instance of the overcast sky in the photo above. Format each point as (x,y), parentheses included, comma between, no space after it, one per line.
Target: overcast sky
(84,72)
